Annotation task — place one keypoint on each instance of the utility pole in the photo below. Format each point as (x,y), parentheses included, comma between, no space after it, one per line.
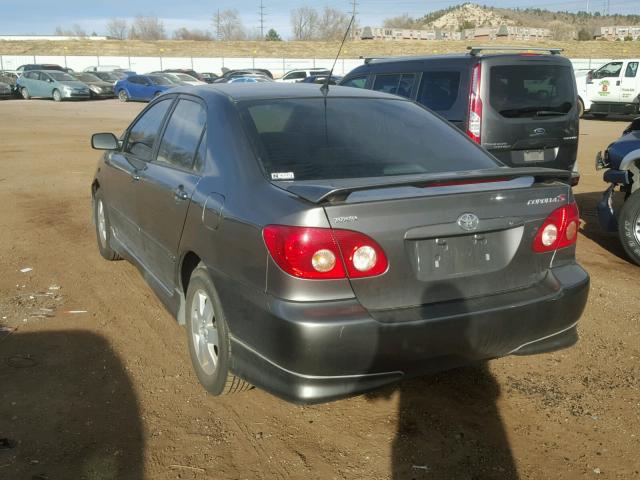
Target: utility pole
(262,14)
(354,12)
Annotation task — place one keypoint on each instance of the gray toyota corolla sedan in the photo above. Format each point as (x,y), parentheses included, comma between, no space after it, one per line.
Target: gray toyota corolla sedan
(318,244)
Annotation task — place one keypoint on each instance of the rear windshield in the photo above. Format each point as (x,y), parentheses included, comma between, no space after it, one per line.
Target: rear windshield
(317,139)
(531,90)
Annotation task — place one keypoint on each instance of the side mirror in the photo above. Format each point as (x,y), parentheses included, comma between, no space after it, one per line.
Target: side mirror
(590,76)
(104,141)
(634,126)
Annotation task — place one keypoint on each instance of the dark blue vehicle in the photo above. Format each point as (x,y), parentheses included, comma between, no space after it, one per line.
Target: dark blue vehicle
(141,87)
(622,161)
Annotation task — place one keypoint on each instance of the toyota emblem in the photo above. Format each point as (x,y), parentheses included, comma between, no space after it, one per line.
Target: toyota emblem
(468,221)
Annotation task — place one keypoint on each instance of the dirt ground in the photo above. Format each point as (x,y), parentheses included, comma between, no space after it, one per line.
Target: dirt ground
(96,383)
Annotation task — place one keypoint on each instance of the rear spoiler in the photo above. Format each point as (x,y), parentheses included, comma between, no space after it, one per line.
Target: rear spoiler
(339,189)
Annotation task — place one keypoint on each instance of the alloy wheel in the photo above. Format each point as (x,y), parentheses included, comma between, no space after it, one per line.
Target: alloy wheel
(204,331)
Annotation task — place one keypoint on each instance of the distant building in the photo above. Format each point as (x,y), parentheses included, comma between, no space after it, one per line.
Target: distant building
(618,32)
(385,33)
(481,33)
(508,32)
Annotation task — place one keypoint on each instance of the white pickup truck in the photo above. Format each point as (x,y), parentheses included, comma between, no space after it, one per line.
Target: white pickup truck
(613,88)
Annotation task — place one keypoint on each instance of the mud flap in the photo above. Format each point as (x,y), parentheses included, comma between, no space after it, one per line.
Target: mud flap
(606,215)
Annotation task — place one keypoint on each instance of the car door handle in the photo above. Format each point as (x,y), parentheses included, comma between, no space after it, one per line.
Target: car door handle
(180,194)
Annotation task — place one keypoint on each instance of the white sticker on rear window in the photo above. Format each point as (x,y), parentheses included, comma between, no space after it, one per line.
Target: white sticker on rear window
(282,176)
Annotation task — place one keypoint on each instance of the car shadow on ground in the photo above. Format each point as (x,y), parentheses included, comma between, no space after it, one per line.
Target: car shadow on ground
(67,409)
(449,426)
(590,228)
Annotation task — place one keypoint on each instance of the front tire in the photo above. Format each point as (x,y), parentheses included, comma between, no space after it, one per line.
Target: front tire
(57,96)
(123,96)
(25,93)
(208,337)
(629,227)
(103,228)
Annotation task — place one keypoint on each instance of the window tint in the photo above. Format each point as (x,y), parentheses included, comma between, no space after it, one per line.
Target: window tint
(609,70)
(314,139)
(632,69)
(143,134)
(398,84)
(295,76)
(528,90)
(137,80)
(182,135)
(357,82)
(439,90)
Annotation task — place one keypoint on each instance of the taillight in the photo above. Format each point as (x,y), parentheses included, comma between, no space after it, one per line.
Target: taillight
(559,230)
(474,126)
(324,253)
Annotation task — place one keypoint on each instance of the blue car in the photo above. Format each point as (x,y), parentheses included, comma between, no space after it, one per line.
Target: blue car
(622,161)
(141,87)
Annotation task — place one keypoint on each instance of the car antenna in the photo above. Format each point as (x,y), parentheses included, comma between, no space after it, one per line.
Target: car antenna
(325,85)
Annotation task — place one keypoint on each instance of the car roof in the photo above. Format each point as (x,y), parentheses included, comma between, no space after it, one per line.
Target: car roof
(275,90)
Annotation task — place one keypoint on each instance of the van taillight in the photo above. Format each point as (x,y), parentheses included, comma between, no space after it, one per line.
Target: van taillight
(324,253)
(559,230)
(475,105)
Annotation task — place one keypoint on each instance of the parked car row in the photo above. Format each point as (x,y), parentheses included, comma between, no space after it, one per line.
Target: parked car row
(321,242)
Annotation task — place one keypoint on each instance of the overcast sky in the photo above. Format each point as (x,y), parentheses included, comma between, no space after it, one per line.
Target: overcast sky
(43,16)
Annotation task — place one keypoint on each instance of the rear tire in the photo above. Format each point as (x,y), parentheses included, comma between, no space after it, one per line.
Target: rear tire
(629,227)
(57,96)
(208,337)
(103,228)
(25,93)
(123,96)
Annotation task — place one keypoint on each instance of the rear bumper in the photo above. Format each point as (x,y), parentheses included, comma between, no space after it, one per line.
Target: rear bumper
(314,352)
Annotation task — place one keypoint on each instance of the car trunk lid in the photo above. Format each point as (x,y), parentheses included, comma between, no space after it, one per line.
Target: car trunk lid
(446,240)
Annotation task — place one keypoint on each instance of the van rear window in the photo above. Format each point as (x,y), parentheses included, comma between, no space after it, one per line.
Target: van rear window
(531,90)
(318,139)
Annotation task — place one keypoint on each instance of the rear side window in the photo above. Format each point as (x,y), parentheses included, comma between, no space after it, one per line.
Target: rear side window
(632,70)
(144,132)
(357,82)
(439,90)
(397,84)
(314,139)
(182,135)
(531,90)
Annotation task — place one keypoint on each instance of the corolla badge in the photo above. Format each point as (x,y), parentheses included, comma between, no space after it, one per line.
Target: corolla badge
(468,221)
(538,131)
